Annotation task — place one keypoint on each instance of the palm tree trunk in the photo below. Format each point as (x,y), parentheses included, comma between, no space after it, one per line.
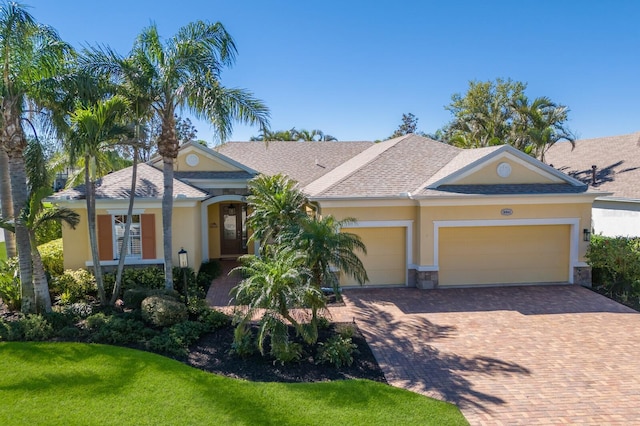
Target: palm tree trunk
(93,238)
(23,244)
(40,283)
(127,228)
(167,212)
(6,201)
(15,143)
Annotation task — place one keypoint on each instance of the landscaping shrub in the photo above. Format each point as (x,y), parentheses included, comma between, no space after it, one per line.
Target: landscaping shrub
(52,257)
(214,320)
(78,311)
(346,330)
(117,330)
(167,344)
(179,276)
(187,332)
(243,344)
(10,291)
(31,327)
(616,263)
(133,297)
(337,351)
(286,351)
(163,310)
(150,277)
(72,286)
(47,231)
(209,270)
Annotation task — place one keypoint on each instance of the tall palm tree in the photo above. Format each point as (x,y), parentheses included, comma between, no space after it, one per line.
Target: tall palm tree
(93,129)
(183,73)
(28,52)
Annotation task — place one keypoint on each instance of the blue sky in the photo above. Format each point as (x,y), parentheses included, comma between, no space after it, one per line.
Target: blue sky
(351,68)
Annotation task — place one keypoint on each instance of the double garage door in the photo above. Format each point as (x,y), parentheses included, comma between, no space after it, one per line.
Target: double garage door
(503,254)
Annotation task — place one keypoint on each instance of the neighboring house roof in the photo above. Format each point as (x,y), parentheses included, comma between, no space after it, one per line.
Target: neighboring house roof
(617,161)
(117,185)
(301,161)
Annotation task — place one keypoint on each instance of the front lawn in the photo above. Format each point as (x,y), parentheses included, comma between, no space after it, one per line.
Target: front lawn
(77,383)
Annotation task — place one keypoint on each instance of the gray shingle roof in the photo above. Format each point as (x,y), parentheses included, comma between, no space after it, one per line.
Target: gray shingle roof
(302,161)
(388,169)
(213,175)
(617,159)
(117,185)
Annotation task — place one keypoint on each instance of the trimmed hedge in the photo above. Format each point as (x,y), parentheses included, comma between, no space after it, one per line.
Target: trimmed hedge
(615,263)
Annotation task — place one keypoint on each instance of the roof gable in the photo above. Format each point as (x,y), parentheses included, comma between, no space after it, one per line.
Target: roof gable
(195,157)
(501,165)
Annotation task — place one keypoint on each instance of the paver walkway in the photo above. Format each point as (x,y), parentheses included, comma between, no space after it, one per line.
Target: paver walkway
(507,355)
(510,355)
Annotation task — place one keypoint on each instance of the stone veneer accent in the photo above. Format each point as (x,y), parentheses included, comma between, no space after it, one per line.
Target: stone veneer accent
(426,280)
(582,275)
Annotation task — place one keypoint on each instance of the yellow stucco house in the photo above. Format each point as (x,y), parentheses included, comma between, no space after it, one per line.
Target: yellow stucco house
(431,215)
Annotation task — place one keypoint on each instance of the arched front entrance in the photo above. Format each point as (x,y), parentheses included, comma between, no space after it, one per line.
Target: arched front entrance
(224,228)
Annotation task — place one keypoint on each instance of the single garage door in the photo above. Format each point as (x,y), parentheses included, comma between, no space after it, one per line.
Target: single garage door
(504,254)
(385,260)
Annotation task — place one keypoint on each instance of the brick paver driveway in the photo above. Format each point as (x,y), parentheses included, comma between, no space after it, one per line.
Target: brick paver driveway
(510,355)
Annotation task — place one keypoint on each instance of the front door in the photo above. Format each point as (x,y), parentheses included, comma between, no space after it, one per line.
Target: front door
(234,231)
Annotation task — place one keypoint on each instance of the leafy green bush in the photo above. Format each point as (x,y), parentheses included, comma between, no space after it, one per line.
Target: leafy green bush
(72,286)
(346,330)
(32,327)
(286,352)
(162,310)
(214,320)
(337,351)
(48,231)
(78,311)
(187,332)
(243,344)
(150,277)
(10,291)
(52,257)
(616,263)
(133,297)
(167,344)
(209,270)
(117,330)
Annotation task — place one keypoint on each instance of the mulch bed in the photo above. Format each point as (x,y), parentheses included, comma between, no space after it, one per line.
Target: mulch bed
(631,302)
(213,353)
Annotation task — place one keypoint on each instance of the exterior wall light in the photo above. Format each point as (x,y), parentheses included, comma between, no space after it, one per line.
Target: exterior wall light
(586,235)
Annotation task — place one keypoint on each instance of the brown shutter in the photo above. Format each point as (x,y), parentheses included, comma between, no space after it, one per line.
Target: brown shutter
(148,225)
(105,237)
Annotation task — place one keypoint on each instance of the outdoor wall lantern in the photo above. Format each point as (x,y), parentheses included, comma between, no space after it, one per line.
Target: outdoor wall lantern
(586,235)
(183,259)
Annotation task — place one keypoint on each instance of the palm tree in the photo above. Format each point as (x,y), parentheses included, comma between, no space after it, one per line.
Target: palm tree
(276,282)
(28,52)
(184,73)
(35,215)
(93,129)
(276,203)
(539,125)
(326,247)
(313,136)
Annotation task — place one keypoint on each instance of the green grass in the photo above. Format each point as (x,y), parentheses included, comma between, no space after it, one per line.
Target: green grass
(75,383)
(3,250)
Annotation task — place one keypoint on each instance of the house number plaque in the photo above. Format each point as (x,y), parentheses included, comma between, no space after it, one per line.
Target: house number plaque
(506,212)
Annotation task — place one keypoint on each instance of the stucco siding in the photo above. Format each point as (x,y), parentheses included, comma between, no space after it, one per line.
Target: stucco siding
(614,219)
(205,164)
(75,243)
(504,254)
(385,261)
(488,175)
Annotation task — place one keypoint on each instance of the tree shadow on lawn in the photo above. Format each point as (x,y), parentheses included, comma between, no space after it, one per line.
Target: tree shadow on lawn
(402,349)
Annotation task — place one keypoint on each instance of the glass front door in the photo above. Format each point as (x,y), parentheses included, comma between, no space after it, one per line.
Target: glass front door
(234,230)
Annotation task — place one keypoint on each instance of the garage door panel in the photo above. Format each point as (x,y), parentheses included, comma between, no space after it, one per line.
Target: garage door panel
(503,254)
(385,261)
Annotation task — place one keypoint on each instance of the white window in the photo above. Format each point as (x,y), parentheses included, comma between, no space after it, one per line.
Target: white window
(134,248)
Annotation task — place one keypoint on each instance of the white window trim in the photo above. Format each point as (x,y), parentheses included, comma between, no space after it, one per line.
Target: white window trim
(573,244)
(407,224)
(128,261)
(114,236)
